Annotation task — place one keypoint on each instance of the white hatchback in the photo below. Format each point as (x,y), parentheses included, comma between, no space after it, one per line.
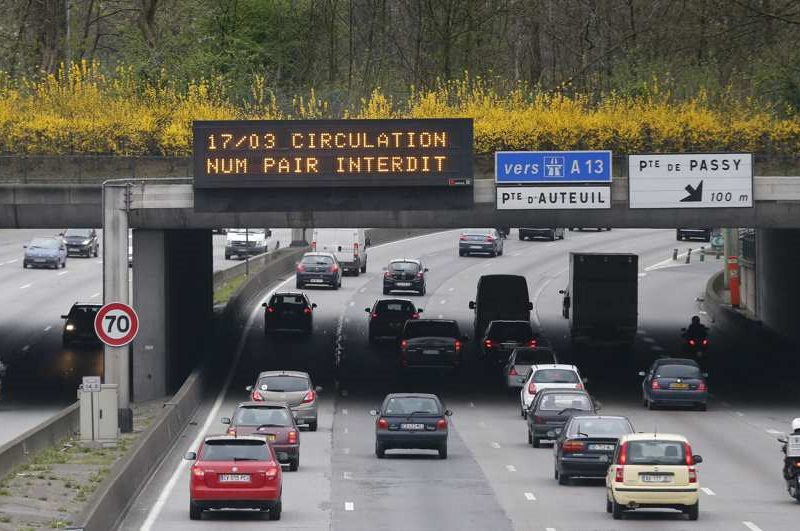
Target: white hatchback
(549,376)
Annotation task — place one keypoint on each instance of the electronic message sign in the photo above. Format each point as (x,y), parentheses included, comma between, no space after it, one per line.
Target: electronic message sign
(329,154)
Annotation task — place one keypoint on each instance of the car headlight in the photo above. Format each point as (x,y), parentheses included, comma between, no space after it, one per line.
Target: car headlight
(70,327)
(86,242)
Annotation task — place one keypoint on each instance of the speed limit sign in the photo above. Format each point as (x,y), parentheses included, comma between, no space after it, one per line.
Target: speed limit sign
(116,324)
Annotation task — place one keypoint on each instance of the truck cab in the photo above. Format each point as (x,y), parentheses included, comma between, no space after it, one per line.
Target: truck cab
(349,246)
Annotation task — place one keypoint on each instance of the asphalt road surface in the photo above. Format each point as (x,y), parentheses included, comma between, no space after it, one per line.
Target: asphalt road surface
(492,478)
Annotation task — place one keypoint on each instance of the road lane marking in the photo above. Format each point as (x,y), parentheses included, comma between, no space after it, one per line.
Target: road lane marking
(450,289)
(482,424)
(774,432)
(642,275)
(496,445)
(471,404)
(362,290)
(529,496)
(511,468)
(348,506)
(62,273)
(47,328)
(100,262)
(14,261)
(344,411)
(26,348)
(347,475)
(346,430)
(740,414)
(94,295)
(26,286)
(656,348)
(443,301)
(346,451)
(440,316)
(648,340)
(550,529)
(751,526)
(352,303)
(708,491)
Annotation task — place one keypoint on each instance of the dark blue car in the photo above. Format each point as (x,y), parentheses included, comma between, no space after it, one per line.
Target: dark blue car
(45,252)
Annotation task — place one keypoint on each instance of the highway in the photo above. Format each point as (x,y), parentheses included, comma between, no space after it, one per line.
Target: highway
(492,478)
(42,376)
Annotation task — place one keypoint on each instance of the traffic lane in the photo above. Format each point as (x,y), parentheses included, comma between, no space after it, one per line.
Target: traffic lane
(13,240)
(407,489)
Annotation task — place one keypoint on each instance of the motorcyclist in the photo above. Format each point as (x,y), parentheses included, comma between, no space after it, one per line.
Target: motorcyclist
(696,329)
(790,468)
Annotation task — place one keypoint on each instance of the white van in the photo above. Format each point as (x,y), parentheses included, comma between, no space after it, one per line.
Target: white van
(246,242)
(348,245)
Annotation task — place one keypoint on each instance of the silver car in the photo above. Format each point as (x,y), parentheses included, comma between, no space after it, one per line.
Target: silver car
(520,362)
(293,387)
(483,241)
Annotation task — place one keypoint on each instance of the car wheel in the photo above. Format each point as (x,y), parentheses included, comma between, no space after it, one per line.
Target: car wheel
(702,406)
(693,511)
(195,512)
(561,237)
(443,451)
(530,438)
(227,256)
(535,441)
(609,508)
(312,426)
(563,479)
(96,251)
(650,405)
(553,237)
(644,401)
(24,265)
(294,464)
(380,450)
(299,285)
(493,254)
(275,512)
(555,472)
(616,510)
(521,237)
(524,414)
(460,253)
(364,268)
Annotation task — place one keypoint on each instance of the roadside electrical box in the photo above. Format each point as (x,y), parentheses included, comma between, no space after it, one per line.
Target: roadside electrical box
(98,413)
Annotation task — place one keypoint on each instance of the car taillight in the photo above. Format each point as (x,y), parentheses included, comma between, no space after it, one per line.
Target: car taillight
(270,309)
(655,385)
(415,315)
(513,371)
(419,274)
(355,249)
(292,437)
(573,446)
(488,343)
(702,386)
(531,388)
(307,310)
(383,424)
(272,472)
(692,474)
(457,345)
(232,431)
(538,420)
(462,238)
(692,342)
(441,424)
(198,472)
(373,315)
(387,274)
(532,343)
(334,268)
(687,449)
(256,396)
(622,458)
(489,239)
(705,342)
(313,246)
(403,345)
(578,385)
(310,396)
(619,475)
(300,268)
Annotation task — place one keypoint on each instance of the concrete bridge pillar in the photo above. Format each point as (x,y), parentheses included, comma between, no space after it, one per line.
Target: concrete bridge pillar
(778,281)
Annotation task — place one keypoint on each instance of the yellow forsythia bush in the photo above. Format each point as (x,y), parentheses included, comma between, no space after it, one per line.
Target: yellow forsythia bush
(82,110)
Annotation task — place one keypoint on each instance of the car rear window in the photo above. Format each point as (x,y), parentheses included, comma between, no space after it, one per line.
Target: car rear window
(392,306)
(236,450)
(44,243)
(599,427)
(83,314)
(555,376)
(431,329)
(510,330)
(556,402)
(285,384)
(677,371)
(317,260)
(407,405)
(405,267)
(656,453)
(288,300)
(257,416)
(533,356)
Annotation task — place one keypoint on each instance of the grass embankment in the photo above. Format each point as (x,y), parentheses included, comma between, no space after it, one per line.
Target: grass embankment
(225,291)
(83,110)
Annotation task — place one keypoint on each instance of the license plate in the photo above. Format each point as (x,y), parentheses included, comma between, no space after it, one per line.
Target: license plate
(602,447)
(232,478)
(404,284)
(655,478)
(319,280)
(476,246)
(39,260)
(678,386)
(430,352)
(412,426)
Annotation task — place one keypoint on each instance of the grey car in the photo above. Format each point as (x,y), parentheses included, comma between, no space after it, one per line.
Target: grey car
(45,252)
(82,242)
(293,387)
(551,233)
(319,269)
(480,241)
(520,363)
(411,421)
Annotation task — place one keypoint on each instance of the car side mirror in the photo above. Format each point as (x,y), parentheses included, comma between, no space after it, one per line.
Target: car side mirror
(373,412)
(471,305)
(562,292)
(24,246)
(530,306)
(225,420)
(190,456)
(367,310)
(448,413)
(318,389)
(263,304)
(64,316)
(313,304)
(249,388)
(783,439)
(642,373)
(697,459)
(425,270)
(420,310)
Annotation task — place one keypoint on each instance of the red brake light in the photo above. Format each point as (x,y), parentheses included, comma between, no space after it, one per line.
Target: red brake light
(489,239)
(334,268)
(462,238)
(301,267)
(692,474)
(441,424)
(579,385)
(387,274)
(415,315)
(513,371)
(419,274)
(619,475)
(531,388)
(457,345)
(355,248)
(307,310)
(292,437)
(532,343)
(692,342)
(256,396)
(488,343)
(702,386)
(705,342)
(688,451)
(313,246)
(272,472)
(270,309)
(310,396)
(570,446)
(198,472)
(374,315)
(232,431)
(622,458)
(655,385)
(403,345)
(383,424)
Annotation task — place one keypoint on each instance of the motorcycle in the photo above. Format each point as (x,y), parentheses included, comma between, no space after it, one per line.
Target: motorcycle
(696,346)
(791,464)
(504,232)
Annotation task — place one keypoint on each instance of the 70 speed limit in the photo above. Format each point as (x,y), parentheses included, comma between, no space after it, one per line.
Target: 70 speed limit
(116,324)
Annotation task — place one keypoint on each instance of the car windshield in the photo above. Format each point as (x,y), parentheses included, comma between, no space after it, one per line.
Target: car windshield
(285,384)
(677,371)
(564,376)
(531,356)
(83,314)
(502,331)
(288,300)
(236,450)
(556,402)
(256,416)
(597,427)
(317,260)
(412,404)
(395,306)
(247,231)
(404,267)
(431,329)
(656,453)
(78,233)
(43,243)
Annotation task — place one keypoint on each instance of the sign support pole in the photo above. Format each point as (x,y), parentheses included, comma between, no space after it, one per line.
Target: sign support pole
(116,288)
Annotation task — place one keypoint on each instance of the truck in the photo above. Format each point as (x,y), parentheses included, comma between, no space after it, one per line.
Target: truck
(348,245)
(246,242)
(500,298)
(601,300)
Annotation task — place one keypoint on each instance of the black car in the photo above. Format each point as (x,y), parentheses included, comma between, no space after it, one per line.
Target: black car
(79,324)
(289,310)
(586,444)
(550,410)
(319,269)
(693,234)
(549,233)
(502,337)
(404,274)
(388,316)
(411,421)
(431,343)
(81,242)
(674,381)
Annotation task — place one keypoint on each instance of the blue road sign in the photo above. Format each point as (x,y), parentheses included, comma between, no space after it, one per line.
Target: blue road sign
(514,167)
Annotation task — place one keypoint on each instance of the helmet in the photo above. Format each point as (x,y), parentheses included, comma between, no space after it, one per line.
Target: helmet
(696,319)
(796,424)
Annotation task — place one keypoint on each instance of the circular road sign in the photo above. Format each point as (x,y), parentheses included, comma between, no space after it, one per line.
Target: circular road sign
(116,324)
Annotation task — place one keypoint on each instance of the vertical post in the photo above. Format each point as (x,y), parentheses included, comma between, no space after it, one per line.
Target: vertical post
(731,248)
(246,252)
(116,288)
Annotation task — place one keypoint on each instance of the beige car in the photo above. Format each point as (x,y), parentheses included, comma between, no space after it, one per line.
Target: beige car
(653,470)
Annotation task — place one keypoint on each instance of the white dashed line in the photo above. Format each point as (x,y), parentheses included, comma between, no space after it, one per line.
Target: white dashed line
(100,262)
(26,348)
(344,411)
(451,289)
(774,432)
(26,286)
(739,414)
(94,295)
(751,526)
(511,468)
(443,301)
(496,445)
(648,340)
(347,475)
(529,496)
(62,273)
(708,491)
(550,529)
(346,451)
(352,303)
(656,348)
(482,424)
(362,290)
(14,261)
(641,275)
(348,506)
(440,316)
(346,430)
(47,328)
(471,404)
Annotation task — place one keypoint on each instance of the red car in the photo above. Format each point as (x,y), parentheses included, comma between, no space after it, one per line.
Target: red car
(235,473)
(273,420)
